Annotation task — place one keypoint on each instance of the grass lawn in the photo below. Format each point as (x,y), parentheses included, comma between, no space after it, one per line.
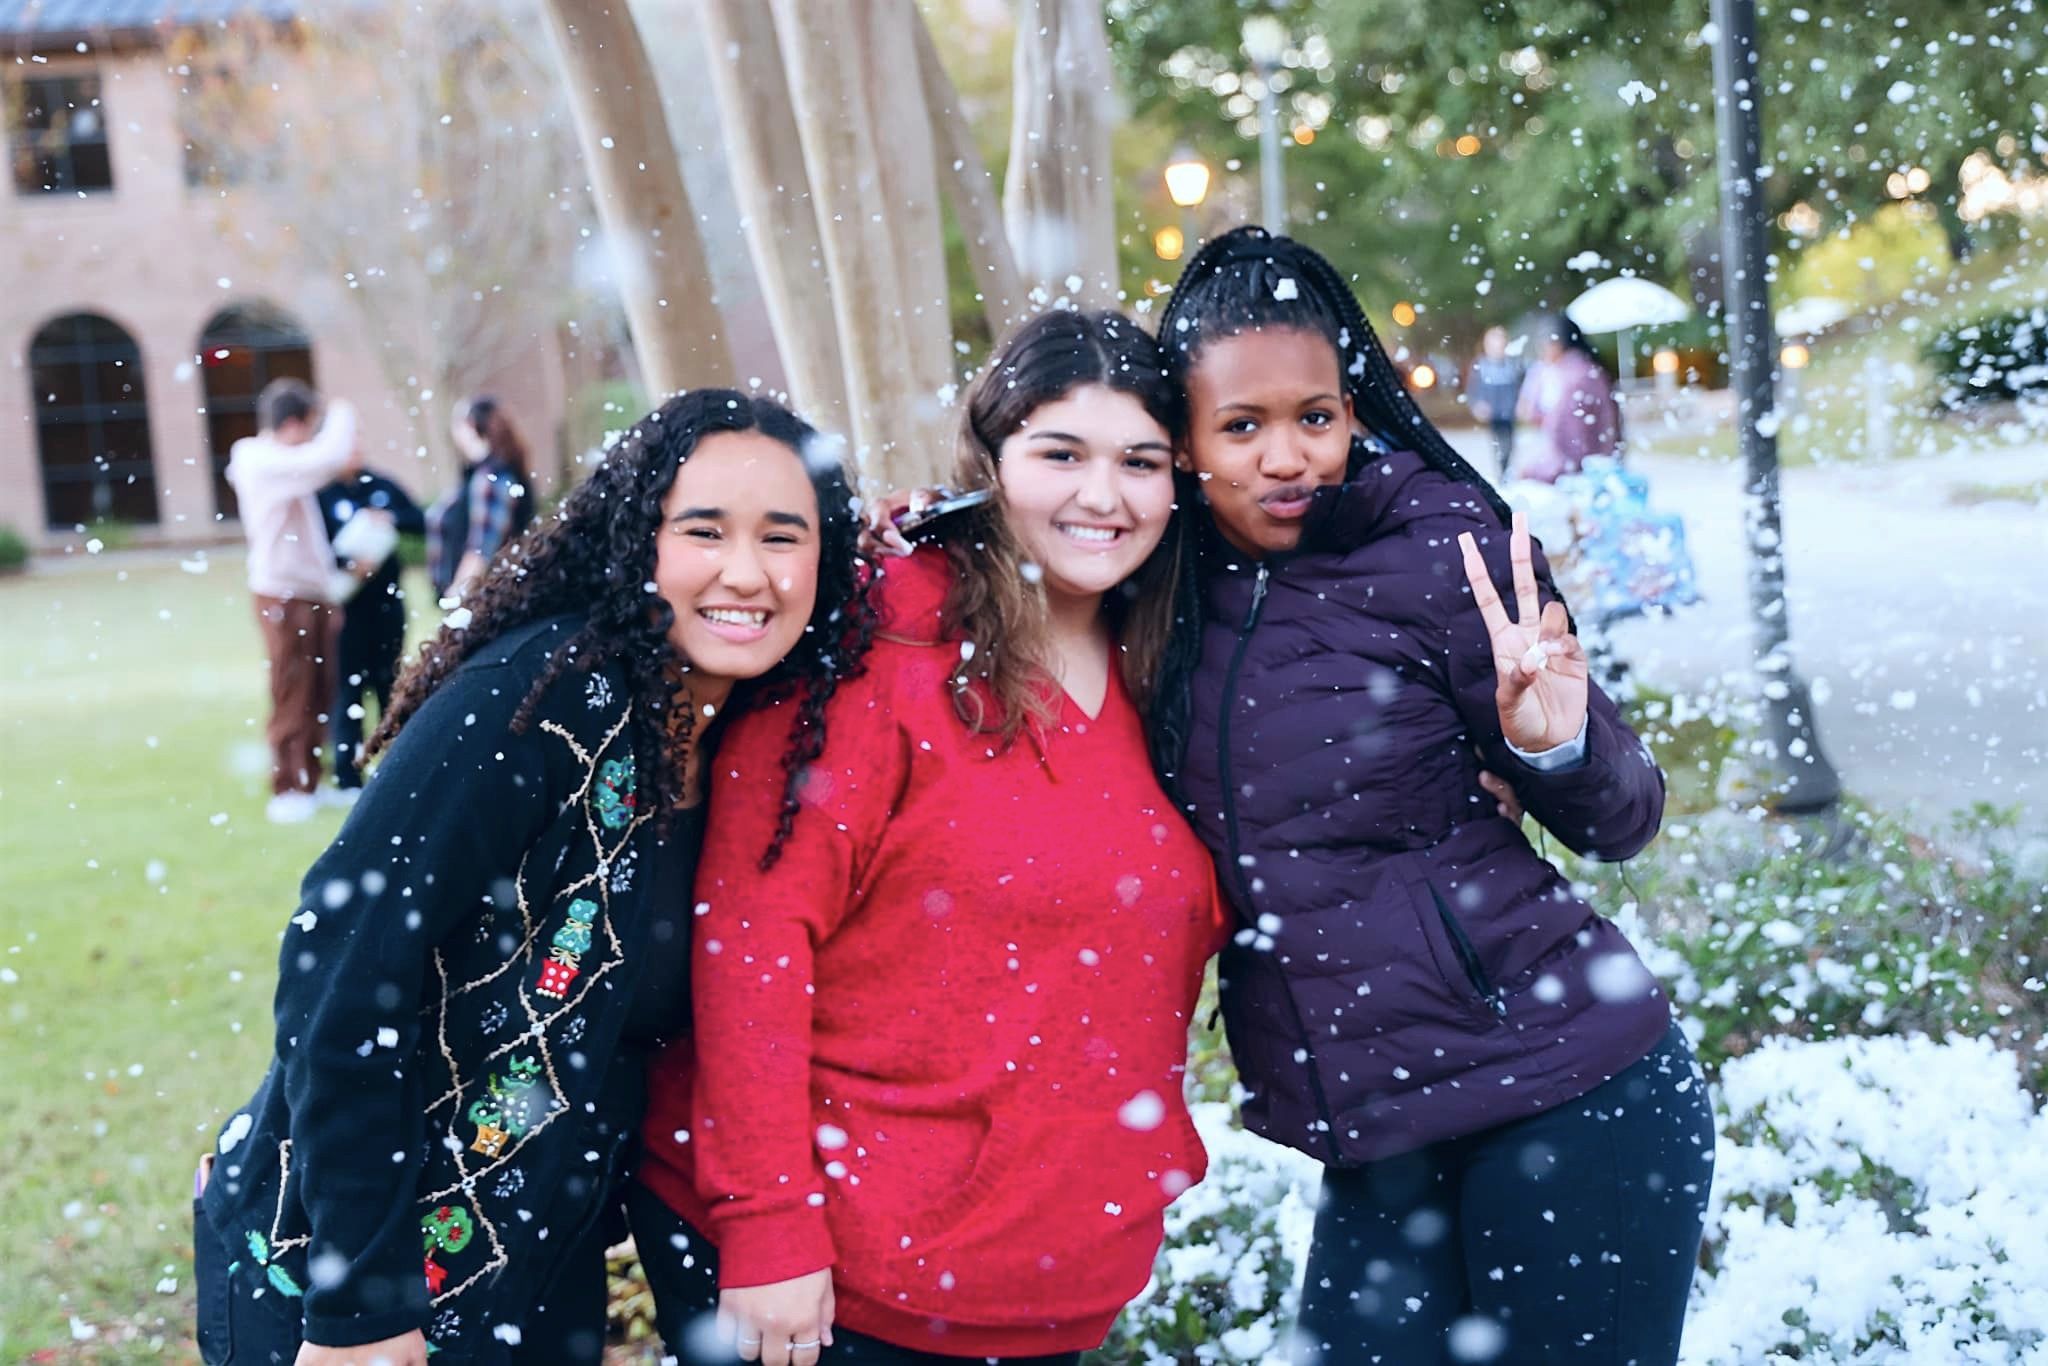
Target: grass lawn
(141,898)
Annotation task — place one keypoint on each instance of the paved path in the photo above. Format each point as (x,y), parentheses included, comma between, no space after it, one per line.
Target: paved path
(1920,621)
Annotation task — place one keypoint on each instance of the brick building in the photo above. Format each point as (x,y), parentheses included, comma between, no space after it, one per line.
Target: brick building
(136,322)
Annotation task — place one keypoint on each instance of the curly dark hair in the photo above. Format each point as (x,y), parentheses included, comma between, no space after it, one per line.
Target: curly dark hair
(594,558)
(1249,279)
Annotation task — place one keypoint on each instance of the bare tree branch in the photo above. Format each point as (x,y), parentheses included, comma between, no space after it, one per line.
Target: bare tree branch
(1058,201)
(637,181)
(766,155)
(970,189)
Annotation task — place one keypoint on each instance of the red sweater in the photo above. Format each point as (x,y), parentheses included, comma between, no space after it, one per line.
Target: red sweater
(945,1036)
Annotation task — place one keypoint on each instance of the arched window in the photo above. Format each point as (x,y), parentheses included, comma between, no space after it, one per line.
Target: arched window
(92,423)
(241,350)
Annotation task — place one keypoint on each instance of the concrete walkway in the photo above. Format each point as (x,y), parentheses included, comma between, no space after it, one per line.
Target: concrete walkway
(1920,620)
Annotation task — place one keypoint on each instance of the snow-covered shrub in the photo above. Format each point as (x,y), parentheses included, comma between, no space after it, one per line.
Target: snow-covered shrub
(1225,1285)
(1877,1202)
(1755,936)
(2004,356)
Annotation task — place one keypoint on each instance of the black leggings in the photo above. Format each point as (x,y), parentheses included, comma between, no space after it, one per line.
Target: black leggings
(682,1273)
(1570,1236)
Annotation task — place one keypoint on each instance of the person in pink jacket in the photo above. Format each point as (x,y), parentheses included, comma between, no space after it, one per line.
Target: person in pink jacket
(276,475)
(1569,397)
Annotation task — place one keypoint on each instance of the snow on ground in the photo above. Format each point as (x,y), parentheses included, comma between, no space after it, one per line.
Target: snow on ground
(1877,1202)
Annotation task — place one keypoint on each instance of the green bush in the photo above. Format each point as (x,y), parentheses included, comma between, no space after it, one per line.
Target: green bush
(1759,932)
(2002,357)
(13,550)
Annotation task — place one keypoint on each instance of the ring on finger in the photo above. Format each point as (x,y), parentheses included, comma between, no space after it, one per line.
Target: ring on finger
(803,1346)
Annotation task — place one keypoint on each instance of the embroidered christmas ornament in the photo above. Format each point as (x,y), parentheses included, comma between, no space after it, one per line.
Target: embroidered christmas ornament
(571,942)
(448,1229)
(613,795)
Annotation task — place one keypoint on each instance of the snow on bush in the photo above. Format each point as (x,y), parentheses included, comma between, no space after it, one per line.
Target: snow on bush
(1227,1281)
(1876,1201)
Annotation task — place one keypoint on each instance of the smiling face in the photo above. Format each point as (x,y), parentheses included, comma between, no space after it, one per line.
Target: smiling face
(737,555)
(1087,486)
(1269,423)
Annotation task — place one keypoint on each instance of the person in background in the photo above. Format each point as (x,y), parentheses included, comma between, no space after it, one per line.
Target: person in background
(276,475)
(364,515)
(1569,396)
(1492,386)
(490,505)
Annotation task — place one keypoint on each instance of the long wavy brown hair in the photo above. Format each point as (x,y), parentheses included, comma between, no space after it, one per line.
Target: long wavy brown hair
(1005,683)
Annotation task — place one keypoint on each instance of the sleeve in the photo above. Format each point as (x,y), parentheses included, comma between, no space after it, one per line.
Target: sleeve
(441,827)
(757,1166)
(292,471)
(1606,808)
(490,512)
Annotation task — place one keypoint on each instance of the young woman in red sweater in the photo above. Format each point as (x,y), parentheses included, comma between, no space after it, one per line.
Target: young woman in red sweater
(942,1037)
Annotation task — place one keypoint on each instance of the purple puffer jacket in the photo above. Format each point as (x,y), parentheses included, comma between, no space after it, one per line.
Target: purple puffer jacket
(1407,968)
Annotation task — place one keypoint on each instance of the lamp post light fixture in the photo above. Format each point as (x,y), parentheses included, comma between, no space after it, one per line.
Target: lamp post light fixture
(1187,185)
(1265,42)
(1187,180)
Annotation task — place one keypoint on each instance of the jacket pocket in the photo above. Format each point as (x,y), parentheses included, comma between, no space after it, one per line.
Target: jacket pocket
(1477,985)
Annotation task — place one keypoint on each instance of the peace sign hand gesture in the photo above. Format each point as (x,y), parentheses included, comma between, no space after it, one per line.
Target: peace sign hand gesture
(1539,664)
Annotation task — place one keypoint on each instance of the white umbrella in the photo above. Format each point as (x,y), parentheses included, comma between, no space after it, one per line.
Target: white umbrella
(1809,316)
(1626,302)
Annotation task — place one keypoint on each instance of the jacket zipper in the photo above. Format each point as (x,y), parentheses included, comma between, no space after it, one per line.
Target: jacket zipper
(1496,1000)
(1231,841)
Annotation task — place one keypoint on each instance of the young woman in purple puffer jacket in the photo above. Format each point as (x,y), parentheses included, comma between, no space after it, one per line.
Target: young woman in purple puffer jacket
(1517,1140)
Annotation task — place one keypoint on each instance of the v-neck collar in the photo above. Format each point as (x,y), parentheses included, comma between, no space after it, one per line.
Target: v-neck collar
(1071,709)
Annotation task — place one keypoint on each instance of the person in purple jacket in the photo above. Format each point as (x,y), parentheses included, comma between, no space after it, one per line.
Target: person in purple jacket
(1569,396)
(1517,1139)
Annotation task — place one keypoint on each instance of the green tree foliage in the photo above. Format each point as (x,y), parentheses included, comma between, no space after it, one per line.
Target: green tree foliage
(1464,154)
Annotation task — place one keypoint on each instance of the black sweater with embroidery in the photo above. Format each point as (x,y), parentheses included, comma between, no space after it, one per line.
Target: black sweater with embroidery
(438,1120)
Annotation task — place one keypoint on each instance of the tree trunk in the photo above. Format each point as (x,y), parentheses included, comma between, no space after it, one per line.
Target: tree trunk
(1948,206)
(970,189)
(1058,200)
(766,158)
(868,153)
(637,181)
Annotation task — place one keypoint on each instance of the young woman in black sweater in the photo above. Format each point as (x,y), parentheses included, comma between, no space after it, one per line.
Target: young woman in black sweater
(499,934)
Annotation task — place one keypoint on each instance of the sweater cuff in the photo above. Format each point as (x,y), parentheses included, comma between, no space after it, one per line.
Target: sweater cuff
(353,1330)
(383,1295)
(763,1249)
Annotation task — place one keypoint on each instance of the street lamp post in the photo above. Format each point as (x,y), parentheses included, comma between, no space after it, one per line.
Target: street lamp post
(1187,185)
(1795,771)
(1265,41)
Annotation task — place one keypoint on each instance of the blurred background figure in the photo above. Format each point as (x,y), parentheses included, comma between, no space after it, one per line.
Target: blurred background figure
(302,444)
(1569,398)
(488,506)
(365,513)
(1493,385)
